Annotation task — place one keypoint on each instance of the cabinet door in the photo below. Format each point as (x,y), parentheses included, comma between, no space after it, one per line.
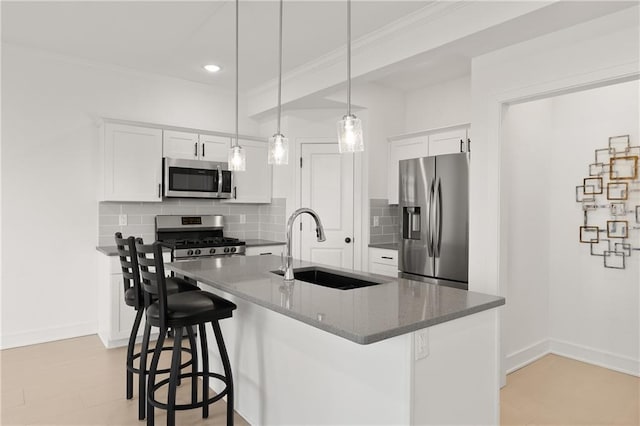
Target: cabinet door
(449,142)
(254,184)
(180,145)
(405,149)
(214,148)
(132,163)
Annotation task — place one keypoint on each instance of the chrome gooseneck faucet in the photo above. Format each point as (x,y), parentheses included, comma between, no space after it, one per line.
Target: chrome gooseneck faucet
(288,258)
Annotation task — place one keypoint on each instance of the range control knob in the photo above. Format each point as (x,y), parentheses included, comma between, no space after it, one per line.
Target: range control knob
(189,252)
(233,249)
(198,251)
(226,249)
(212,251)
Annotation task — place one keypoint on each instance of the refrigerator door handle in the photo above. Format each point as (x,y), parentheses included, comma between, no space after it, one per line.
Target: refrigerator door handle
(439,220)
(429,218)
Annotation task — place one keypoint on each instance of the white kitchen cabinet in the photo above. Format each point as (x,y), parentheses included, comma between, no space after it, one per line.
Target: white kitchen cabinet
(194,146)
(404,149)
(423,144)
(448,142)
(254,184)
(264,250)
(383,261)
(214,148)
(131,163)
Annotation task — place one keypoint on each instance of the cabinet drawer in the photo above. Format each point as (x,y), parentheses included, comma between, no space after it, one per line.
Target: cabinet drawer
(264,250)
(383,256)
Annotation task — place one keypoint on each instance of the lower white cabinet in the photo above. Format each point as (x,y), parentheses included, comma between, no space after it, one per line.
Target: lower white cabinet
(264,250)
(383,261)
(115,318)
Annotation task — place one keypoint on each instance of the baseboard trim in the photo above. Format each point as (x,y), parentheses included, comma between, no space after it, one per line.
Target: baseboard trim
(110,343)
(33,337)
(605,359)
(526,356)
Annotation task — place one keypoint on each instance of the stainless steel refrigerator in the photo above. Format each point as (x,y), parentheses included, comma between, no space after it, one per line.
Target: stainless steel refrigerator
(434,218)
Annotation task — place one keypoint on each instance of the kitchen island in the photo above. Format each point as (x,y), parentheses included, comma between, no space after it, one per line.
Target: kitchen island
(400,352)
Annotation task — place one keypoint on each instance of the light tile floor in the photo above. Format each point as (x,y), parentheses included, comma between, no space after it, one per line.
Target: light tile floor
(79,382)
(560,391)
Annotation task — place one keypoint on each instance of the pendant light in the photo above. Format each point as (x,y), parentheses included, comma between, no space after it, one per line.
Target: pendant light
(278,143)
(237,154)
(350,127)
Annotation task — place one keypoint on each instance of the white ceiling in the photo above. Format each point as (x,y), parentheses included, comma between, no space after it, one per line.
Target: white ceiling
(178,38)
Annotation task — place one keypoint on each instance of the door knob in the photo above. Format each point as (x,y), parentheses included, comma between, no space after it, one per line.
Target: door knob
(347,240)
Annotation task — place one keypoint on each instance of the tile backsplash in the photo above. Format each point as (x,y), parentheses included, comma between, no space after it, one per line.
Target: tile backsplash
(261,221)
(386,219)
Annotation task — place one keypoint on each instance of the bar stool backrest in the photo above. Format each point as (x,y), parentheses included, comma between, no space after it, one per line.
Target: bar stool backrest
(129,264)
(152,275)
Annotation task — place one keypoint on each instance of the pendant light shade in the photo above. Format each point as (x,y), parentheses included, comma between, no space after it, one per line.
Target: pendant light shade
(350,127)
(237,155)
(278,143)
(350,134)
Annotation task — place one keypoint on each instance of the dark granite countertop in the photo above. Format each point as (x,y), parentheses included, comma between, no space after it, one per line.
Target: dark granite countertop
(364,315)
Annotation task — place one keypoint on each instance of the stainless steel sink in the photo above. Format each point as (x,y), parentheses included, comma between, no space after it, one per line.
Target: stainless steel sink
(331,278)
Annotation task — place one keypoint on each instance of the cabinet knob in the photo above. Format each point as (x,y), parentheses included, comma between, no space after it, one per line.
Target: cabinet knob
(347,240)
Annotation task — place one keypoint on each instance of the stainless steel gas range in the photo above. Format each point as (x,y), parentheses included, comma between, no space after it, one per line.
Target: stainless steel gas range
(196,236)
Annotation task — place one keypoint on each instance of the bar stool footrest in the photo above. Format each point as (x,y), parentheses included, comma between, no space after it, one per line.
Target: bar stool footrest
(164,370)
(198,404)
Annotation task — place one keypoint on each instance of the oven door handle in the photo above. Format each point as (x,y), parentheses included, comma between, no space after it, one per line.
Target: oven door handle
(219,179)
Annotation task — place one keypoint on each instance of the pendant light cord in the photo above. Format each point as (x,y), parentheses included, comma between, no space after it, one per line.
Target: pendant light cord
(280,71)
(237,42)
(348,57)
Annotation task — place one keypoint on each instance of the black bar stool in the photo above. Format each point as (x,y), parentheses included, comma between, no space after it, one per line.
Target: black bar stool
(134,297)
(177,311)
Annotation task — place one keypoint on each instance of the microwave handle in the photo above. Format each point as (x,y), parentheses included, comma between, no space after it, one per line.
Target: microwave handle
(219,178)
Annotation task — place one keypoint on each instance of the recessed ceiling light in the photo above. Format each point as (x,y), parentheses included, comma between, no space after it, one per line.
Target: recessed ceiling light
(212,68)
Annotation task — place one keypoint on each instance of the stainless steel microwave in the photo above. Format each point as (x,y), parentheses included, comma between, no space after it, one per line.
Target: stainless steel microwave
(196,178)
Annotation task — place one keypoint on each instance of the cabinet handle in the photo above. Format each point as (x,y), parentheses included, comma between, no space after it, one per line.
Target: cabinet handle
(461,147)
(159,190)
(387,257)
(468,145)
(203,150)
(264,254)
(195,152)
(235,194)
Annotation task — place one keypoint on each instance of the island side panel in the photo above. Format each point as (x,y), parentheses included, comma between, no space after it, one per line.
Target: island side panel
(287,372)
(458,382)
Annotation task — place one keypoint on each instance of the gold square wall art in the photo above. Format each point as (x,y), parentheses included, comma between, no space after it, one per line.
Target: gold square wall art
(618,209)
(598,248)
(589,234)
(596,169)
(623,248)
(614,260)
(592,185)
(604,155)
(617,191)
(619,143)
(637,214)
(617,229)
(623,168)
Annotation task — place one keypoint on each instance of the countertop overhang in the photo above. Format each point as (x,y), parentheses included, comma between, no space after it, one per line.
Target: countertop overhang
(364,315)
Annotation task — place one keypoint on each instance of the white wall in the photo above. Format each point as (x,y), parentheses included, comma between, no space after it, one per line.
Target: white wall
(50,105)
(528,129)
(439,105)
(603,50)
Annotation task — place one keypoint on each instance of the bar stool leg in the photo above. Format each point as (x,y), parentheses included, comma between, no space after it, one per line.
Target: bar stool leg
(194,364)
(130,350)
(142,378)
(152,375)
(227,370)
(205,369)
(174,376)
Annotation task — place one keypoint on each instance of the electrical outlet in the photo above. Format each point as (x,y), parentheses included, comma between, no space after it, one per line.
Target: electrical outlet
(421,343)
(122,220)
(243,218)
(376,221)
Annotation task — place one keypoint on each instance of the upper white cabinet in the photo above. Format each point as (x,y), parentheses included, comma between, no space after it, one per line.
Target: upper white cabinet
(131,162)
(423,144)
(192,146)
(414,147)
(254,184)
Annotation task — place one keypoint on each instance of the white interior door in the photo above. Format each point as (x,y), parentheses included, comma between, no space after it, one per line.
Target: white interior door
(327,188)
